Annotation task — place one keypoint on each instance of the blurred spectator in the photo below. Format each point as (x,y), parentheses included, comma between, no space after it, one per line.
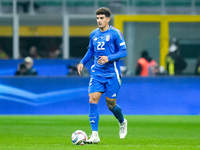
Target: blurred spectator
(34,53)
(55,50)
(3,55)
(146,66)
(25,5)
(197,67)
(26,68)
(55,54)
(74,72)
(175,41)
(174,61)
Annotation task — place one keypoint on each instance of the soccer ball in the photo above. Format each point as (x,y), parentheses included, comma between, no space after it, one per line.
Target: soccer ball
(79,137)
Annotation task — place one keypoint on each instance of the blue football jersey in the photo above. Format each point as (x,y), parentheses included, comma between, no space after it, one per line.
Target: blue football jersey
(109,43)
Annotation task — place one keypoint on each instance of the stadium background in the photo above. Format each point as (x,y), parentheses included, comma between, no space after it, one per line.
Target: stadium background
(66,24)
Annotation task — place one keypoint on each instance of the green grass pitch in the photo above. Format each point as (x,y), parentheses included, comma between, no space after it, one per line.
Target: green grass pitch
(144,133)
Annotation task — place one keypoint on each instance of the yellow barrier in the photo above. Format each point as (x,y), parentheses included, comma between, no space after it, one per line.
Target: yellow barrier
(54,31)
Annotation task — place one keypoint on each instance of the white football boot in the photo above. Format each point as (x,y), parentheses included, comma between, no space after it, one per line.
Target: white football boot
(123,129)
(94,138)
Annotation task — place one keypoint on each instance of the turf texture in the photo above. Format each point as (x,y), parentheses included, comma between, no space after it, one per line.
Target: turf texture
(144,133)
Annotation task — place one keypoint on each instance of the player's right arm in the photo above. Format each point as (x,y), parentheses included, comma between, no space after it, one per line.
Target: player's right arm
(80,68)
(87,57)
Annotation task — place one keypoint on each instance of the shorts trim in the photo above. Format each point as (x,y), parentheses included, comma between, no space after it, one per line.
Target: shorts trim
(117,72)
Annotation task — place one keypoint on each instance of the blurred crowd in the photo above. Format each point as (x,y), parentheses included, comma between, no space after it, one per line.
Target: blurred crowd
(174,61)
(145,66)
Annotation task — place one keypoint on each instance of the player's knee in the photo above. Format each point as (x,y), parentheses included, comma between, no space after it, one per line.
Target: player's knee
(111,104)
(93,100)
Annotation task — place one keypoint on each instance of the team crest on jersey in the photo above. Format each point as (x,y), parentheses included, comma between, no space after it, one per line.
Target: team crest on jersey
(107,38)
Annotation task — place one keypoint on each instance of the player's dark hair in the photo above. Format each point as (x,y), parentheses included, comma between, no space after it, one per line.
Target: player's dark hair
(144,53)
(103,11)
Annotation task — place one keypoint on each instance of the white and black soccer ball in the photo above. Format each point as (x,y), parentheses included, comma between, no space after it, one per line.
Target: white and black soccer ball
(79,137)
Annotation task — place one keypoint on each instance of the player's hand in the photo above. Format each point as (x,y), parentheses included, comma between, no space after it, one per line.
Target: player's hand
(102,60)
(80,68)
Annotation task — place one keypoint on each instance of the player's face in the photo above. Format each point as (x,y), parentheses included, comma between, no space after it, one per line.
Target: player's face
(102,22)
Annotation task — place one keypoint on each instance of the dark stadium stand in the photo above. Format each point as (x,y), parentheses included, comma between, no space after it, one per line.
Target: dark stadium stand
(90,3)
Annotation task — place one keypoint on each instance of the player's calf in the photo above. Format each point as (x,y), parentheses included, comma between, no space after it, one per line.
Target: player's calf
(111,103)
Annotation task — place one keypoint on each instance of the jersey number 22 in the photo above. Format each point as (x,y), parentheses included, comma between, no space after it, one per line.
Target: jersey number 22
(100,46)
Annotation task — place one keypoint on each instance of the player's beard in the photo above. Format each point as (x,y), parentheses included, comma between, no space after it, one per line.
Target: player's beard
(103,28)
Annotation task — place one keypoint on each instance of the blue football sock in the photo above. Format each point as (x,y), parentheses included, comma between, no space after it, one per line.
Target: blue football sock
(117,111)
(94,116)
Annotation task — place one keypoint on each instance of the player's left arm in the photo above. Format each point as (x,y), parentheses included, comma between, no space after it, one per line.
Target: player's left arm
(120,54)
(121,45)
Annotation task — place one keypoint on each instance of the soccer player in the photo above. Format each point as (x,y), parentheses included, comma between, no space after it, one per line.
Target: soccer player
(107,45)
